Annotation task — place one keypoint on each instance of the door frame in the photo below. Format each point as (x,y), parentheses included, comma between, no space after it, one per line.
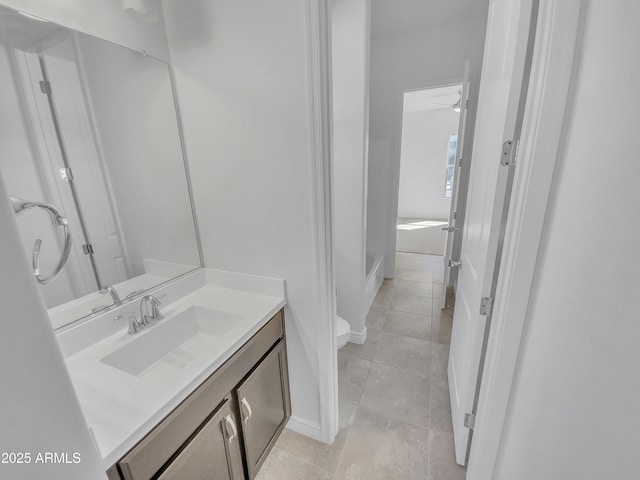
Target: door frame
(460,181)
(553,62)
(395,150)
(320,128)
(553,65)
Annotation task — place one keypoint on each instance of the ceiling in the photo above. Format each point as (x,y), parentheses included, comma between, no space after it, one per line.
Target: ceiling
(395,16)
(431,99)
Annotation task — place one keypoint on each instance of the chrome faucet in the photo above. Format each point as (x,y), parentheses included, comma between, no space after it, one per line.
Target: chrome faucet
(149,311)
(111,291)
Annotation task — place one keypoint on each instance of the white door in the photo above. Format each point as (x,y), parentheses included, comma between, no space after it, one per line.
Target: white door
(73,115)
(454,230)
(500,90)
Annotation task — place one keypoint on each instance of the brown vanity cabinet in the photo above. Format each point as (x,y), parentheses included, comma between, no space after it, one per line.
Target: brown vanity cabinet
(226,428)
(263,399)
(213,453)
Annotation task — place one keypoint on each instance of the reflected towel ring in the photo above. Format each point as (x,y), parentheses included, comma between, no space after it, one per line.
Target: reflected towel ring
(58,220)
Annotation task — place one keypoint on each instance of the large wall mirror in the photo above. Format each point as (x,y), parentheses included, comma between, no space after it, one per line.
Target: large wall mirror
(90,150)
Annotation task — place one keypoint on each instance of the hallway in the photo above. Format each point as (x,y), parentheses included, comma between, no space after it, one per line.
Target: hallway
(421,235)
(395,420)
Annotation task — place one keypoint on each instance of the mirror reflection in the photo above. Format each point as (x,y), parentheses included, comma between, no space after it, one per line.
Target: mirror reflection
(91,155)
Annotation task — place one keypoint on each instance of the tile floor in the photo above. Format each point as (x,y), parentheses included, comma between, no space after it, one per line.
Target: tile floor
(395,419)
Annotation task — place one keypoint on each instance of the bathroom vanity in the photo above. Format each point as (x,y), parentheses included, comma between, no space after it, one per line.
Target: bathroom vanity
(202,393)
(228,424)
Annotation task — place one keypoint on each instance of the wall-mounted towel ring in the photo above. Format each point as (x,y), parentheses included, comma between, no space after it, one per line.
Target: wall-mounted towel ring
(58,220)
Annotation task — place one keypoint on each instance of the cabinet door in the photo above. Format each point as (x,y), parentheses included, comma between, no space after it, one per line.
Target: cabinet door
(263,399)
(212,454)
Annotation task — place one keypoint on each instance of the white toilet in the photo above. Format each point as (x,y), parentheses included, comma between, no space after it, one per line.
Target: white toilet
(343,330)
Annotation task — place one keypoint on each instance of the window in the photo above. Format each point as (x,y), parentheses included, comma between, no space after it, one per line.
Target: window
(451,164)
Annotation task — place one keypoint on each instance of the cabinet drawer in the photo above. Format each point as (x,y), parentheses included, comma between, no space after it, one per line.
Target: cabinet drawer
(212,454)
(159,446)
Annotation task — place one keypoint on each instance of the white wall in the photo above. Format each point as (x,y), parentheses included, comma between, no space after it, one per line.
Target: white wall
(573,410)
(39,411)
(350,21)
(423,158)
(102,18)
(243,87)
(418,59)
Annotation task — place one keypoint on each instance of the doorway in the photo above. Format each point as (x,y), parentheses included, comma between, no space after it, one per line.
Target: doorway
(430,122)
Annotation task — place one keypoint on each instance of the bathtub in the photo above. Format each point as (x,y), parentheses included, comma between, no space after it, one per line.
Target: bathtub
(373,277)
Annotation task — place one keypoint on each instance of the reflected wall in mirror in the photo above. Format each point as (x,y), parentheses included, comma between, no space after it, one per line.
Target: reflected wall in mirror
(91,128)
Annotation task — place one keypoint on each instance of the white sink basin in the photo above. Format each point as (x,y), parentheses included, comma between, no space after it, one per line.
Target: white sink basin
(173,342)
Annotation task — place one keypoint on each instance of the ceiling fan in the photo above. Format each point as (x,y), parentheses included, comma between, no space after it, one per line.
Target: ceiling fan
(456,106)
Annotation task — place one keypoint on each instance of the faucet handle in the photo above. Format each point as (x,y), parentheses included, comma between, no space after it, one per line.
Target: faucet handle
(134,293)
(155,313)
(134,324)
(158,315)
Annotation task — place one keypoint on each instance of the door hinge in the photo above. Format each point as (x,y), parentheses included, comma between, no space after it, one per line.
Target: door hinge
(455,264)
(460,162)
(87,248)
(486,304)
(510,150)
(454,215)
(66,174)
(45,87)
(466,103)
(470,420)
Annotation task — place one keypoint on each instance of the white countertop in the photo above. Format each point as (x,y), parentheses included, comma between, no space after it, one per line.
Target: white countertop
(156,273)
(121,408)
(68,312)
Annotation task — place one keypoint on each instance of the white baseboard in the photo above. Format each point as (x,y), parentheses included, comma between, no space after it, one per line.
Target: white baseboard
(359,337)
(305,427)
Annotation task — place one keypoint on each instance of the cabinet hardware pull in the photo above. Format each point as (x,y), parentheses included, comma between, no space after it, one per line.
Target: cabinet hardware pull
(246,407)
(229,421)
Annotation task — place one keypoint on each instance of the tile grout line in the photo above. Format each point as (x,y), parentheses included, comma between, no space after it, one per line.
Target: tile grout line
(386,415)
(375,350)
(431,372)
(358,405)
(346,442)
(431,382)
(429,287)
